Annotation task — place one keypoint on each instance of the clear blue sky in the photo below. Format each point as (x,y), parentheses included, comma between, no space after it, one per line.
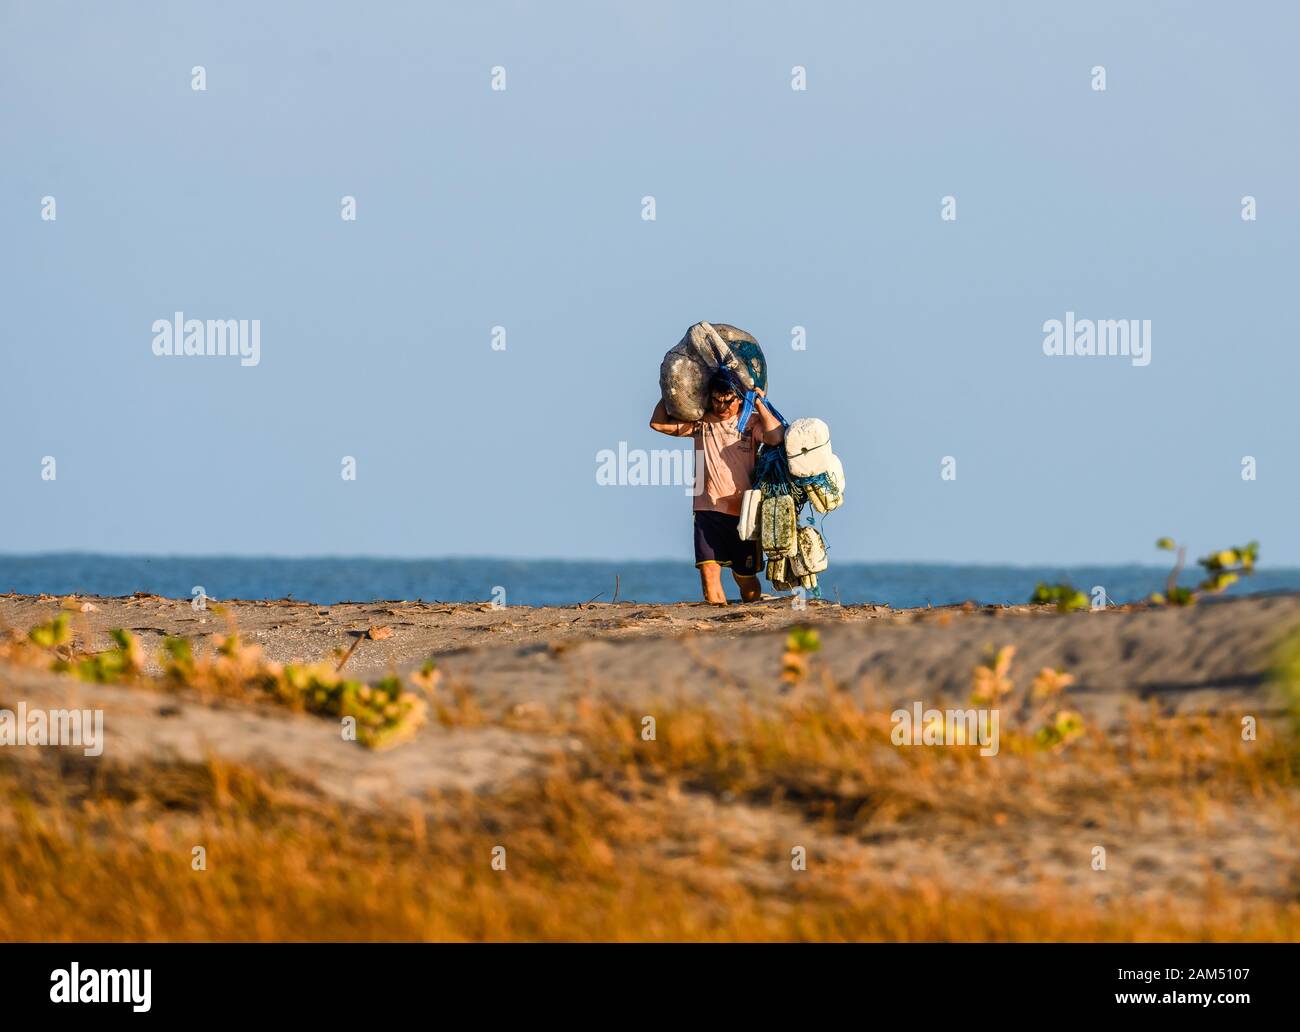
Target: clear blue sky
(522,208)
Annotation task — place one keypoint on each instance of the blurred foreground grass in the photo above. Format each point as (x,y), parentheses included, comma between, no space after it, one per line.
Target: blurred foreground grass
(687,837)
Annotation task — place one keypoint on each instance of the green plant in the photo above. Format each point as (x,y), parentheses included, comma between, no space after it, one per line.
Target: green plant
(800,643)
(119,663)
(1227,566)
(178,659)
(1286,676)
(1065,597)
(1059,731)
(1222,568)
(51,635)
(384,712)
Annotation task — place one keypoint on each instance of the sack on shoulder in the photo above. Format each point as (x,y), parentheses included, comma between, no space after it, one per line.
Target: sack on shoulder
(685,371)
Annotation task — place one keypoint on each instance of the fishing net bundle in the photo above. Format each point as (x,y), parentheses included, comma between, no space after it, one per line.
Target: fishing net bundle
(688,367)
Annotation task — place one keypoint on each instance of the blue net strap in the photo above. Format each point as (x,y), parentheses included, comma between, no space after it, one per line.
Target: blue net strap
(746,411)
(751,400)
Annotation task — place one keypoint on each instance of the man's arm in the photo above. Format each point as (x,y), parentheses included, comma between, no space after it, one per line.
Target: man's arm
(771,430)
(659,421)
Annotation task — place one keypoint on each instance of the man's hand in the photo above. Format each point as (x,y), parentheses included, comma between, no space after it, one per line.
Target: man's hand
(772,430)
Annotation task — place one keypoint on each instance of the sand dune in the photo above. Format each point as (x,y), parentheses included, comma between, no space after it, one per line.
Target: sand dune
(1191,834)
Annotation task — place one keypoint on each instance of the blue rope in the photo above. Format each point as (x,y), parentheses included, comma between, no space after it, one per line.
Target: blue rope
(772,472)
(822,480)
(751,400)
(746,412)
(738,385)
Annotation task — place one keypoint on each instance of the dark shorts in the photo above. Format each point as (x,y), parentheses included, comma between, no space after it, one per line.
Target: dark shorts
(717,540)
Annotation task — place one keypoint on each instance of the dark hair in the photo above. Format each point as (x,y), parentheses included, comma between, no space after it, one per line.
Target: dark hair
(721,382)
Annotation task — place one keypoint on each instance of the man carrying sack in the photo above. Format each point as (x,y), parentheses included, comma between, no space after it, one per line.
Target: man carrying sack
(724,470)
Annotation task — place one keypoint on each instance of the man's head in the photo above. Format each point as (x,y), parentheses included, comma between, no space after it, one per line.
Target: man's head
(723,400)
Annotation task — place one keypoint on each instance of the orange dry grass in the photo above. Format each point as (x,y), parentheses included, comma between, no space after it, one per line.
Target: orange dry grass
(835,749)
(580,866)
(633,839)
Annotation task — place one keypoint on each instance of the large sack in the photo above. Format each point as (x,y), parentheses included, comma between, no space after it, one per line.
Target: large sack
(686,369)
(808,447)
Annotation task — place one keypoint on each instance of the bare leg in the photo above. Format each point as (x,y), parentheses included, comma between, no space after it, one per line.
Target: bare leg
(711,582)
(750,589)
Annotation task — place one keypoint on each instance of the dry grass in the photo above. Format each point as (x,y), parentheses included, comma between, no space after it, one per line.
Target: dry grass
(687,837)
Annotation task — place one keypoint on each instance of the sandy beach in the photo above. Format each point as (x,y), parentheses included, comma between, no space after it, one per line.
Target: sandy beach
(1197,825)
(1204,658)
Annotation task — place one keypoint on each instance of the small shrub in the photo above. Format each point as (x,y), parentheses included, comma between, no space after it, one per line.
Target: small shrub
(385,713)
(800,643)
(1049,683)
(51,635)
(120,663)
(1063,728)
(1222,569)
(991,680)
(1065,597)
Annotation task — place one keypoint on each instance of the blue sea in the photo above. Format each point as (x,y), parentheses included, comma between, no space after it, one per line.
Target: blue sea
(547,582)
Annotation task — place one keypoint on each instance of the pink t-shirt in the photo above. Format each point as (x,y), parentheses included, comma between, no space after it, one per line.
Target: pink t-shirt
(725,458)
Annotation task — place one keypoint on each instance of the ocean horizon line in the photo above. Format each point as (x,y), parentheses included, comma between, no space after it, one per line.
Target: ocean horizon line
(327,580)
(992,564)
